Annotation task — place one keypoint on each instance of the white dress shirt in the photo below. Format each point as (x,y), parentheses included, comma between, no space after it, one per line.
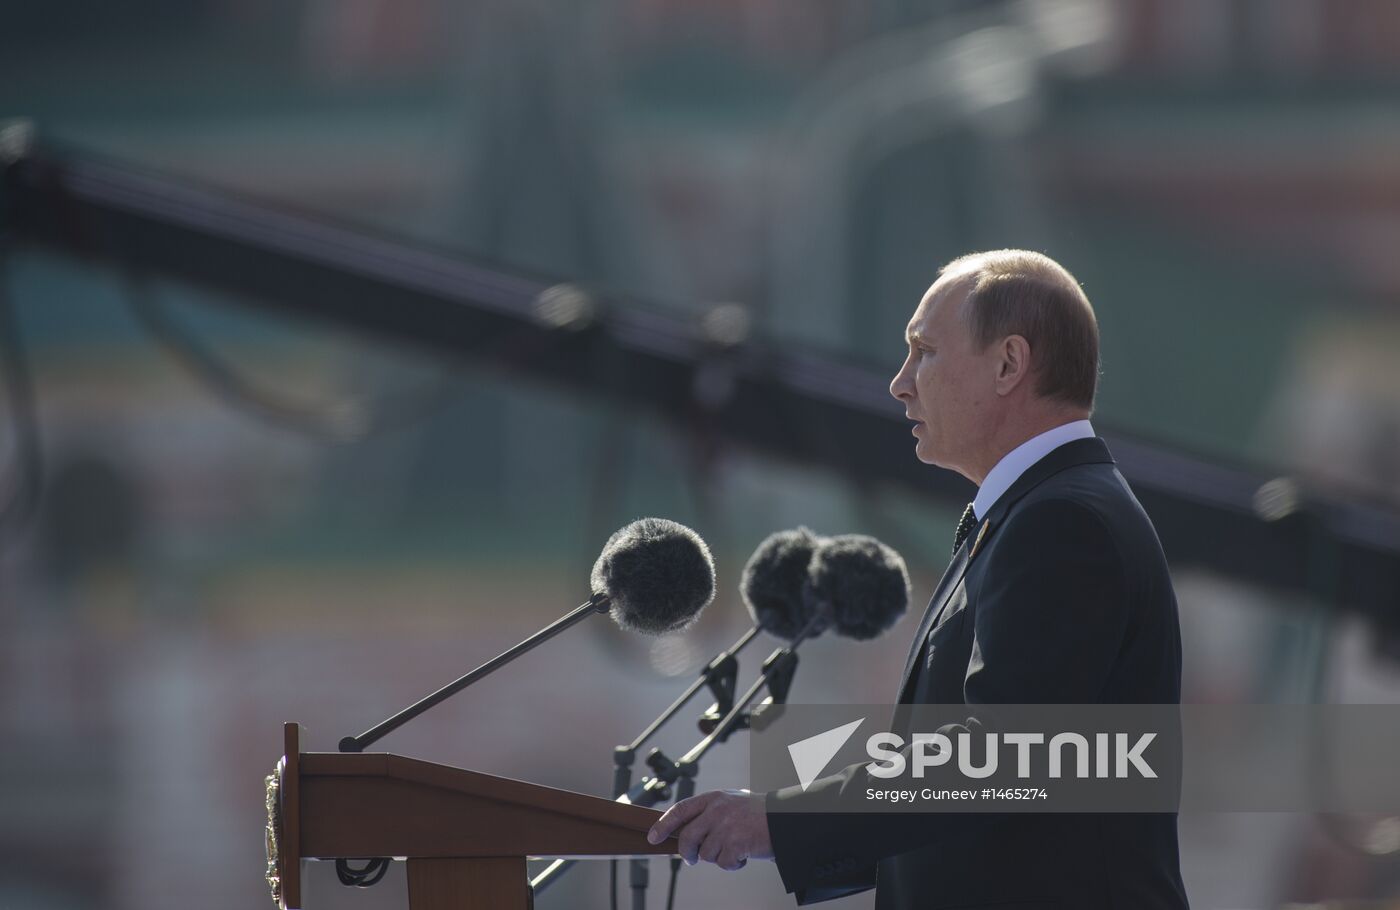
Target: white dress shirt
(1014,463)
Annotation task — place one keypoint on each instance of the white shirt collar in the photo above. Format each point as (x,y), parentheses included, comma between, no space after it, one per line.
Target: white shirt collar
(1014,463)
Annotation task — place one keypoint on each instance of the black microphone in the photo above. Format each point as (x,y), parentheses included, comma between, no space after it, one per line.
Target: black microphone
(861,583)
(657,576)
(776,586)
(654,576)
(798,584)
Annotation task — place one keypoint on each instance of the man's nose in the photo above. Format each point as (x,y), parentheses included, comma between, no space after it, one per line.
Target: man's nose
(898,385)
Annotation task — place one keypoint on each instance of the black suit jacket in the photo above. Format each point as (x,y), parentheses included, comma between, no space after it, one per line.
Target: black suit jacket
(1066,599)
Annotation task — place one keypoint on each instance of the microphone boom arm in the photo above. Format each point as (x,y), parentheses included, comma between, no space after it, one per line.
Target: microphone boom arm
(598,603)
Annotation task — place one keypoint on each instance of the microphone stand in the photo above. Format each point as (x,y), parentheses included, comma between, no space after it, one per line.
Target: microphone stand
(374,869)
(777,674)
(778,670)
(720,676)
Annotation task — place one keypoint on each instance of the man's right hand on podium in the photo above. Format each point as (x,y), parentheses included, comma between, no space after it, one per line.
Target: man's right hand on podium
(724,827)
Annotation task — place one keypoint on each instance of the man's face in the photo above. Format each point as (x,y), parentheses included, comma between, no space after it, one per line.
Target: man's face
(945,385)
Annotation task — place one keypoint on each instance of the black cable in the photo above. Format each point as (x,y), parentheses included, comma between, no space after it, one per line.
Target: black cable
(349,420)
(671,888)
(369,874)
(612,884)
(27,476)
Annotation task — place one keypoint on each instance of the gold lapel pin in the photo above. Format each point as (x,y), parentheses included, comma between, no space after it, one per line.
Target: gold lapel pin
(986,523)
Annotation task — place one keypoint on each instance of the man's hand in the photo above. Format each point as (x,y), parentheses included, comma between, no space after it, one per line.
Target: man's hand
(724,827)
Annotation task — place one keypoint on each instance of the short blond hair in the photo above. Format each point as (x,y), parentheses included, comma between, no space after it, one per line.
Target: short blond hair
(1022,292)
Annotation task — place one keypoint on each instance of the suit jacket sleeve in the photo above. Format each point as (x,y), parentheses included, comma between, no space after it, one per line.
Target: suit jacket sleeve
(1049,620)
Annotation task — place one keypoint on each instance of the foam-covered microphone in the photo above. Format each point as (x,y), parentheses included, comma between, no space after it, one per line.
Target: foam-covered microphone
(798,584)
(859,582)
(654,576)
(776,586)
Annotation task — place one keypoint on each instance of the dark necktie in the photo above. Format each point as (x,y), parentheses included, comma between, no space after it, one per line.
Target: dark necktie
(965,526)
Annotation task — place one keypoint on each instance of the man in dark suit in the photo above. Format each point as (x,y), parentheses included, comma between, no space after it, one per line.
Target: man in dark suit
(1058,593)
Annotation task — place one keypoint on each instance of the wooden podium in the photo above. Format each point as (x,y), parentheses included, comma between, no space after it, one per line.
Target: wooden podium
(465,834)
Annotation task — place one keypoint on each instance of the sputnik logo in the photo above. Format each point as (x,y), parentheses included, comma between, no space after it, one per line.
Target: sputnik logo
(811,755)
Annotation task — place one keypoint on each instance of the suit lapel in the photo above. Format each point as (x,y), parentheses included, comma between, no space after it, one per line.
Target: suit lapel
(952,576)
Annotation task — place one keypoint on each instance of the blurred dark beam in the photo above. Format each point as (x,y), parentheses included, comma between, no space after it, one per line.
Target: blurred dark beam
(798,406)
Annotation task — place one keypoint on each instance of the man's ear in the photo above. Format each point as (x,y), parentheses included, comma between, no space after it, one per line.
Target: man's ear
(1014,364)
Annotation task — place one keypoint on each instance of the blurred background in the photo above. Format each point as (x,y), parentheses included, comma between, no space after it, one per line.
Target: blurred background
(353,522)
